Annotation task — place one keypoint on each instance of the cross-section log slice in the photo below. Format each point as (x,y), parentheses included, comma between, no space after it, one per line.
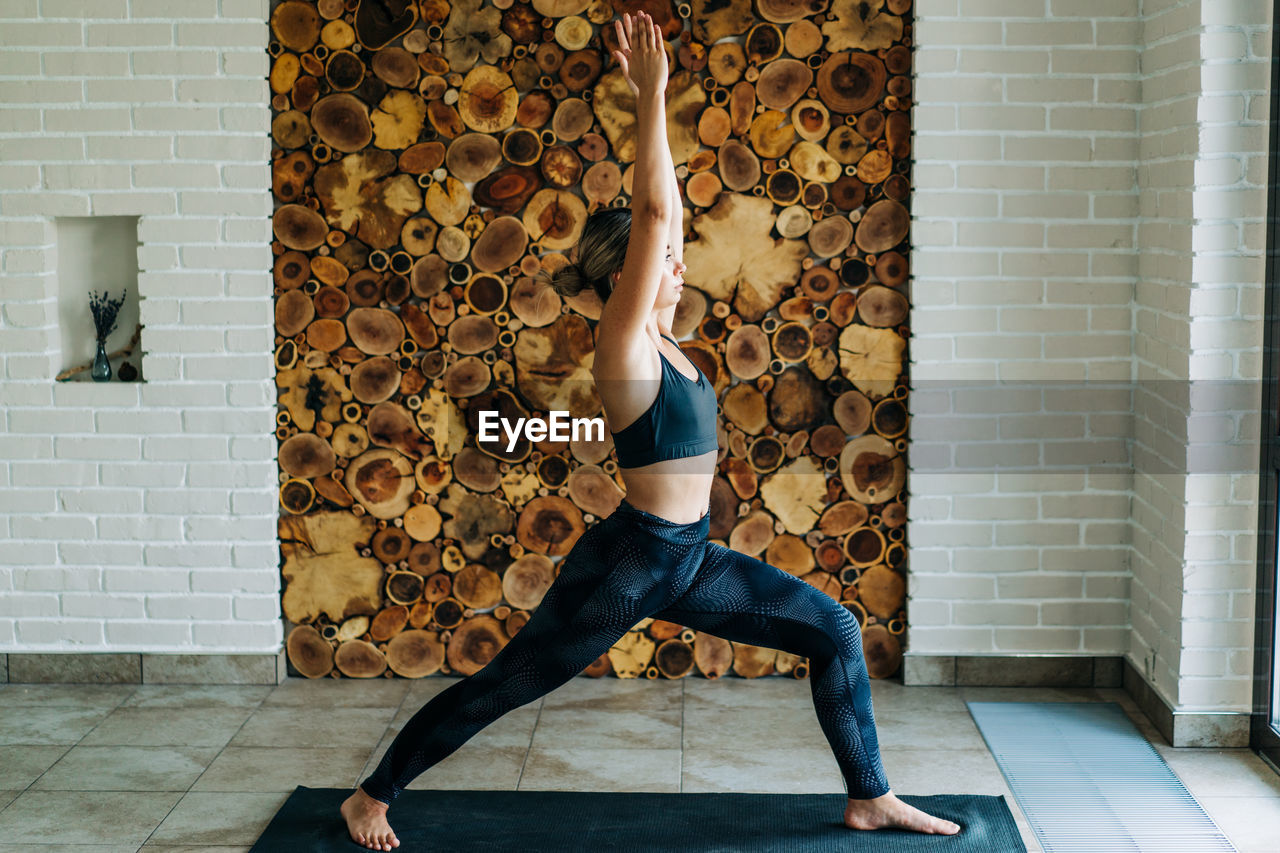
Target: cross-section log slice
(323,573)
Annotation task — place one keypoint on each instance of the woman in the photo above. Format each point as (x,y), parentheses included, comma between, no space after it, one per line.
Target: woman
(651,557)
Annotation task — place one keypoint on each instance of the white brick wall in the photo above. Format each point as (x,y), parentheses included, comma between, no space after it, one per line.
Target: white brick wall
(1198,315)
(1023,263)
(1090,206)
(139,516)
(1167,176)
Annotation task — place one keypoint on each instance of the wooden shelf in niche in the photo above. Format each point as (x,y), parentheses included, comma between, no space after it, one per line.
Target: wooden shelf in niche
(99,254)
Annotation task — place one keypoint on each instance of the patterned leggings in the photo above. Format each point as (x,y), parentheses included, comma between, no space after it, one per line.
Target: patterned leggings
(635,564)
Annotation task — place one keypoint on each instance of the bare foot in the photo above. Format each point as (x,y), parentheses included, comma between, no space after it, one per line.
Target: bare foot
(889,812)
(367,821)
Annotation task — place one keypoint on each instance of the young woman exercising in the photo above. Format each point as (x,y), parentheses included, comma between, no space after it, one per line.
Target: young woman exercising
(651,557)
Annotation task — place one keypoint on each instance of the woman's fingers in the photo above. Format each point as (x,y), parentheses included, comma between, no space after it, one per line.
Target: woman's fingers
(640,34)
(651,32)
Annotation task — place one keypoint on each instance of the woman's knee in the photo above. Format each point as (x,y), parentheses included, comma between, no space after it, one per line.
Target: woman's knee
(841,636)
(845,626)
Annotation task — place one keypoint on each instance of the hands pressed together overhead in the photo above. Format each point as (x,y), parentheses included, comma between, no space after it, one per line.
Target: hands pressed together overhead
(641,54)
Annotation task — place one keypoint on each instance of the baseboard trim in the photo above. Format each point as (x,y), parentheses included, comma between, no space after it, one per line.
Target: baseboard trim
(1216,729)
(142,668)
(1012,670)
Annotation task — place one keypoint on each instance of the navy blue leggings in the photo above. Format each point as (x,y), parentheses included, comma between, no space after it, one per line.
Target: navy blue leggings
(635,564)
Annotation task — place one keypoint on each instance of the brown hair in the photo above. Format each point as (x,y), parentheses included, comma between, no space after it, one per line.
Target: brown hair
(601,250)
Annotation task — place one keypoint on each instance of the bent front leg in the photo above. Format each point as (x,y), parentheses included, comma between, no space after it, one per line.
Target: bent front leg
(746,600)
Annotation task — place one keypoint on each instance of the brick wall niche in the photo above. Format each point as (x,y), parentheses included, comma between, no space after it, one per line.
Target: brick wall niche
(97,255)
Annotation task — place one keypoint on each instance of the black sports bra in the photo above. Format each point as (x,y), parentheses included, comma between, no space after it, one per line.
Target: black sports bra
(681,421)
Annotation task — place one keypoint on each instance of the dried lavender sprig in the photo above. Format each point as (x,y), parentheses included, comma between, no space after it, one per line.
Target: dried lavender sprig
(104,310)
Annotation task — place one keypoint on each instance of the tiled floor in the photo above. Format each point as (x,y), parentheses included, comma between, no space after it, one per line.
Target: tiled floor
(151,767)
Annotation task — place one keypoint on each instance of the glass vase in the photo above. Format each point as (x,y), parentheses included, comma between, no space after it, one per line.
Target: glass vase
(101,364)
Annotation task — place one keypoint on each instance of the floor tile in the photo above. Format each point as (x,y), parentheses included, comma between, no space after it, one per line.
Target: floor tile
(338,693)
(68,848)
(924,728)
(88,696)
(314,726)
(281,769)
(943,771)
(584,727)
(375,756)
(481,768)
(85,817)
(162,847)
(739,693)
(22,765)
(1252,823)
(602,770)
(168,727)
(892,697)
(206,817)
(793,770)
(728,734)
(423,689)
(127,768)
(191,848)
(197,696)
(48,724)
(514,728)
(712,725)
(614,694)
(1221,772)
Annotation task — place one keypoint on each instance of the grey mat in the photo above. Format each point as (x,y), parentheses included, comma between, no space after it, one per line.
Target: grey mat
(1087,779)
(531,821)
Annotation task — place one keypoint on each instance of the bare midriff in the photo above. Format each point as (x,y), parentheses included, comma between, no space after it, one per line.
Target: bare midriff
(678,490)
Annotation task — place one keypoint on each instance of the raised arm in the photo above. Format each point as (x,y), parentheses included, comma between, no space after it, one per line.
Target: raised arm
(644,60)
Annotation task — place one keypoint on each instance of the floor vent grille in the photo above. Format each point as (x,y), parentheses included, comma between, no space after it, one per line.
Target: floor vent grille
(1087,780)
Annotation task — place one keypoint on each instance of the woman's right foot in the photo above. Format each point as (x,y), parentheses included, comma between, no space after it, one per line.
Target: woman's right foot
(367,821)
(889,812)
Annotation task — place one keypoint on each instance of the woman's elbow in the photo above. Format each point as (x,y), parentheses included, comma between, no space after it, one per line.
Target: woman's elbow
(655,209)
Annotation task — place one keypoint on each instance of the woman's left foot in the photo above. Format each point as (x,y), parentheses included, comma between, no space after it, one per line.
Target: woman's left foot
(367,821)
(889,812)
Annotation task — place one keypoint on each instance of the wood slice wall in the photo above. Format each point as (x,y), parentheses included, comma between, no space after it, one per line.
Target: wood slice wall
(429,158)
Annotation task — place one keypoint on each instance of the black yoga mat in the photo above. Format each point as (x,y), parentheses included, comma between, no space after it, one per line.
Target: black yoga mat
(535,821)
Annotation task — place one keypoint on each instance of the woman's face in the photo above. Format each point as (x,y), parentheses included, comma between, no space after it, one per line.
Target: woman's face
(672,281)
